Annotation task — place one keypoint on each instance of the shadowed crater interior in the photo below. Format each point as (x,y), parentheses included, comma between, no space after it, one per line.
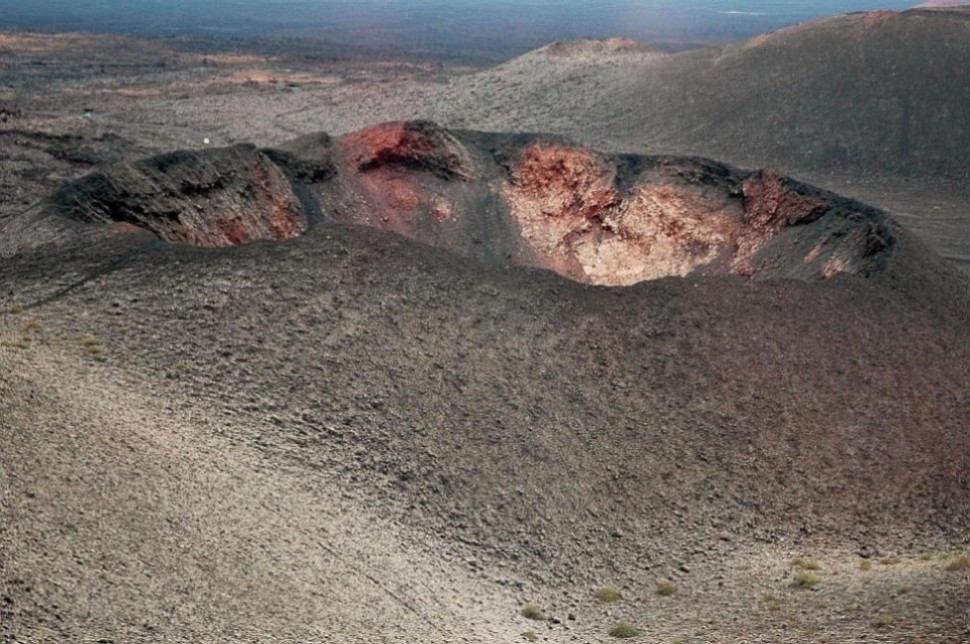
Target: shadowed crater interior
(526,199)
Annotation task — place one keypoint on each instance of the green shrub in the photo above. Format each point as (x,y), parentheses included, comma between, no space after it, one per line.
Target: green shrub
(530,636)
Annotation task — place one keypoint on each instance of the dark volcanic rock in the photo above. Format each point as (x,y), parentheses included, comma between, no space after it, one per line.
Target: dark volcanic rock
(531,200)
(219,197)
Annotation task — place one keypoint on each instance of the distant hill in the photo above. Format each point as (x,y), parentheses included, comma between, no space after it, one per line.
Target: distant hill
(866,93)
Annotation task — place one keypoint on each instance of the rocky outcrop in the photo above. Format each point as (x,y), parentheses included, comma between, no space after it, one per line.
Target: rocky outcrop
(523,199)
(211,198)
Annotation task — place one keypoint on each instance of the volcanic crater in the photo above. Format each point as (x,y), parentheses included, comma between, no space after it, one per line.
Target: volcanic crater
(526,199)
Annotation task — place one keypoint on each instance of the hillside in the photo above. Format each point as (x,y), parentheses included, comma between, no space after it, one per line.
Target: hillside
(347,435)
(859,94)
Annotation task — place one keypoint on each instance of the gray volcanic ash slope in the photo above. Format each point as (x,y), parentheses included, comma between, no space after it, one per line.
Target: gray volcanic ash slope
(348,436)
(531,200)
(866,93)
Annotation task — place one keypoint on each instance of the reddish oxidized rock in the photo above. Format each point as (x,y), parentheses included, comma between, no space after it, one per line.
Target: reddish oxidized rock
(525,199)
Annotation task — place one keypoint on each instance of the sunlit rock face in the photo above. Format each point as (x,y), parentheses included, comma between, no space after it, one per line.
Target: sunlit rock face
(531,200)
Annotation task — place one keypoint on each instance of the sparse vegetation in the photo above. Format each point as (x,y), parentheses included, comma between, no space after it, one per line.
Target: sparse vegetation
(807,580)
(15,309)
(624,630)
(530,636)
(883,619)
(608,594)
(531,611)
(806,564)
(18,343)
(960,563)
(772,603)
(865,565)
(665,587)
(91,346)
(31,326)
(890,561)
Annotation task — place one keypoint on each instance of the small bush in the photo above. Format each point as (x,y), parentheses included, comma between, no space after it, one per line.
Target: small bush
(772,603)
(89,341)
(960,563)
(883,619)
(91,346)
(608,594)
(665,587)
(865,564)
(807,580)
(15,309)
(531,611)
(806,564)
(18,343)
(890,561)
(624,630)
(530,636)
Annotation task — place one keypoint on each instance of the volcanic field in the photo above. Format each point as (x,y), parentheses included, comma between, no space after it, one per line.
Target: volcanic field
(429,380)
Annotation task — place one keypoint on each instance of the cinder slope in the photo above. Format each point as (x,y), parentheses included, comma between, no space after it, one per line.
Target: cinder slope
(861,94)
(542,435)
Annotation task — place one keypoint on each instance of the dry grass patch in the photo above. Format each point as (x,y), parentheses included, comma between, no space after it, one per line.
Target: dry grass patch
(865,565)
(883,619)
(91,346)
(624,630)
(807,580)
(960,563)
(665,587)
(890,561)
(608,594)
(531,611)
(806,564)
(18,343)
(772,603)
(530,636)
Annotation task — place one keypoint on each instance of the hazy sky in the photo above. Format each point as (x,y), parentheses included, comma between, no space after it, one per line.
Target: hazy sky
(501,26)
